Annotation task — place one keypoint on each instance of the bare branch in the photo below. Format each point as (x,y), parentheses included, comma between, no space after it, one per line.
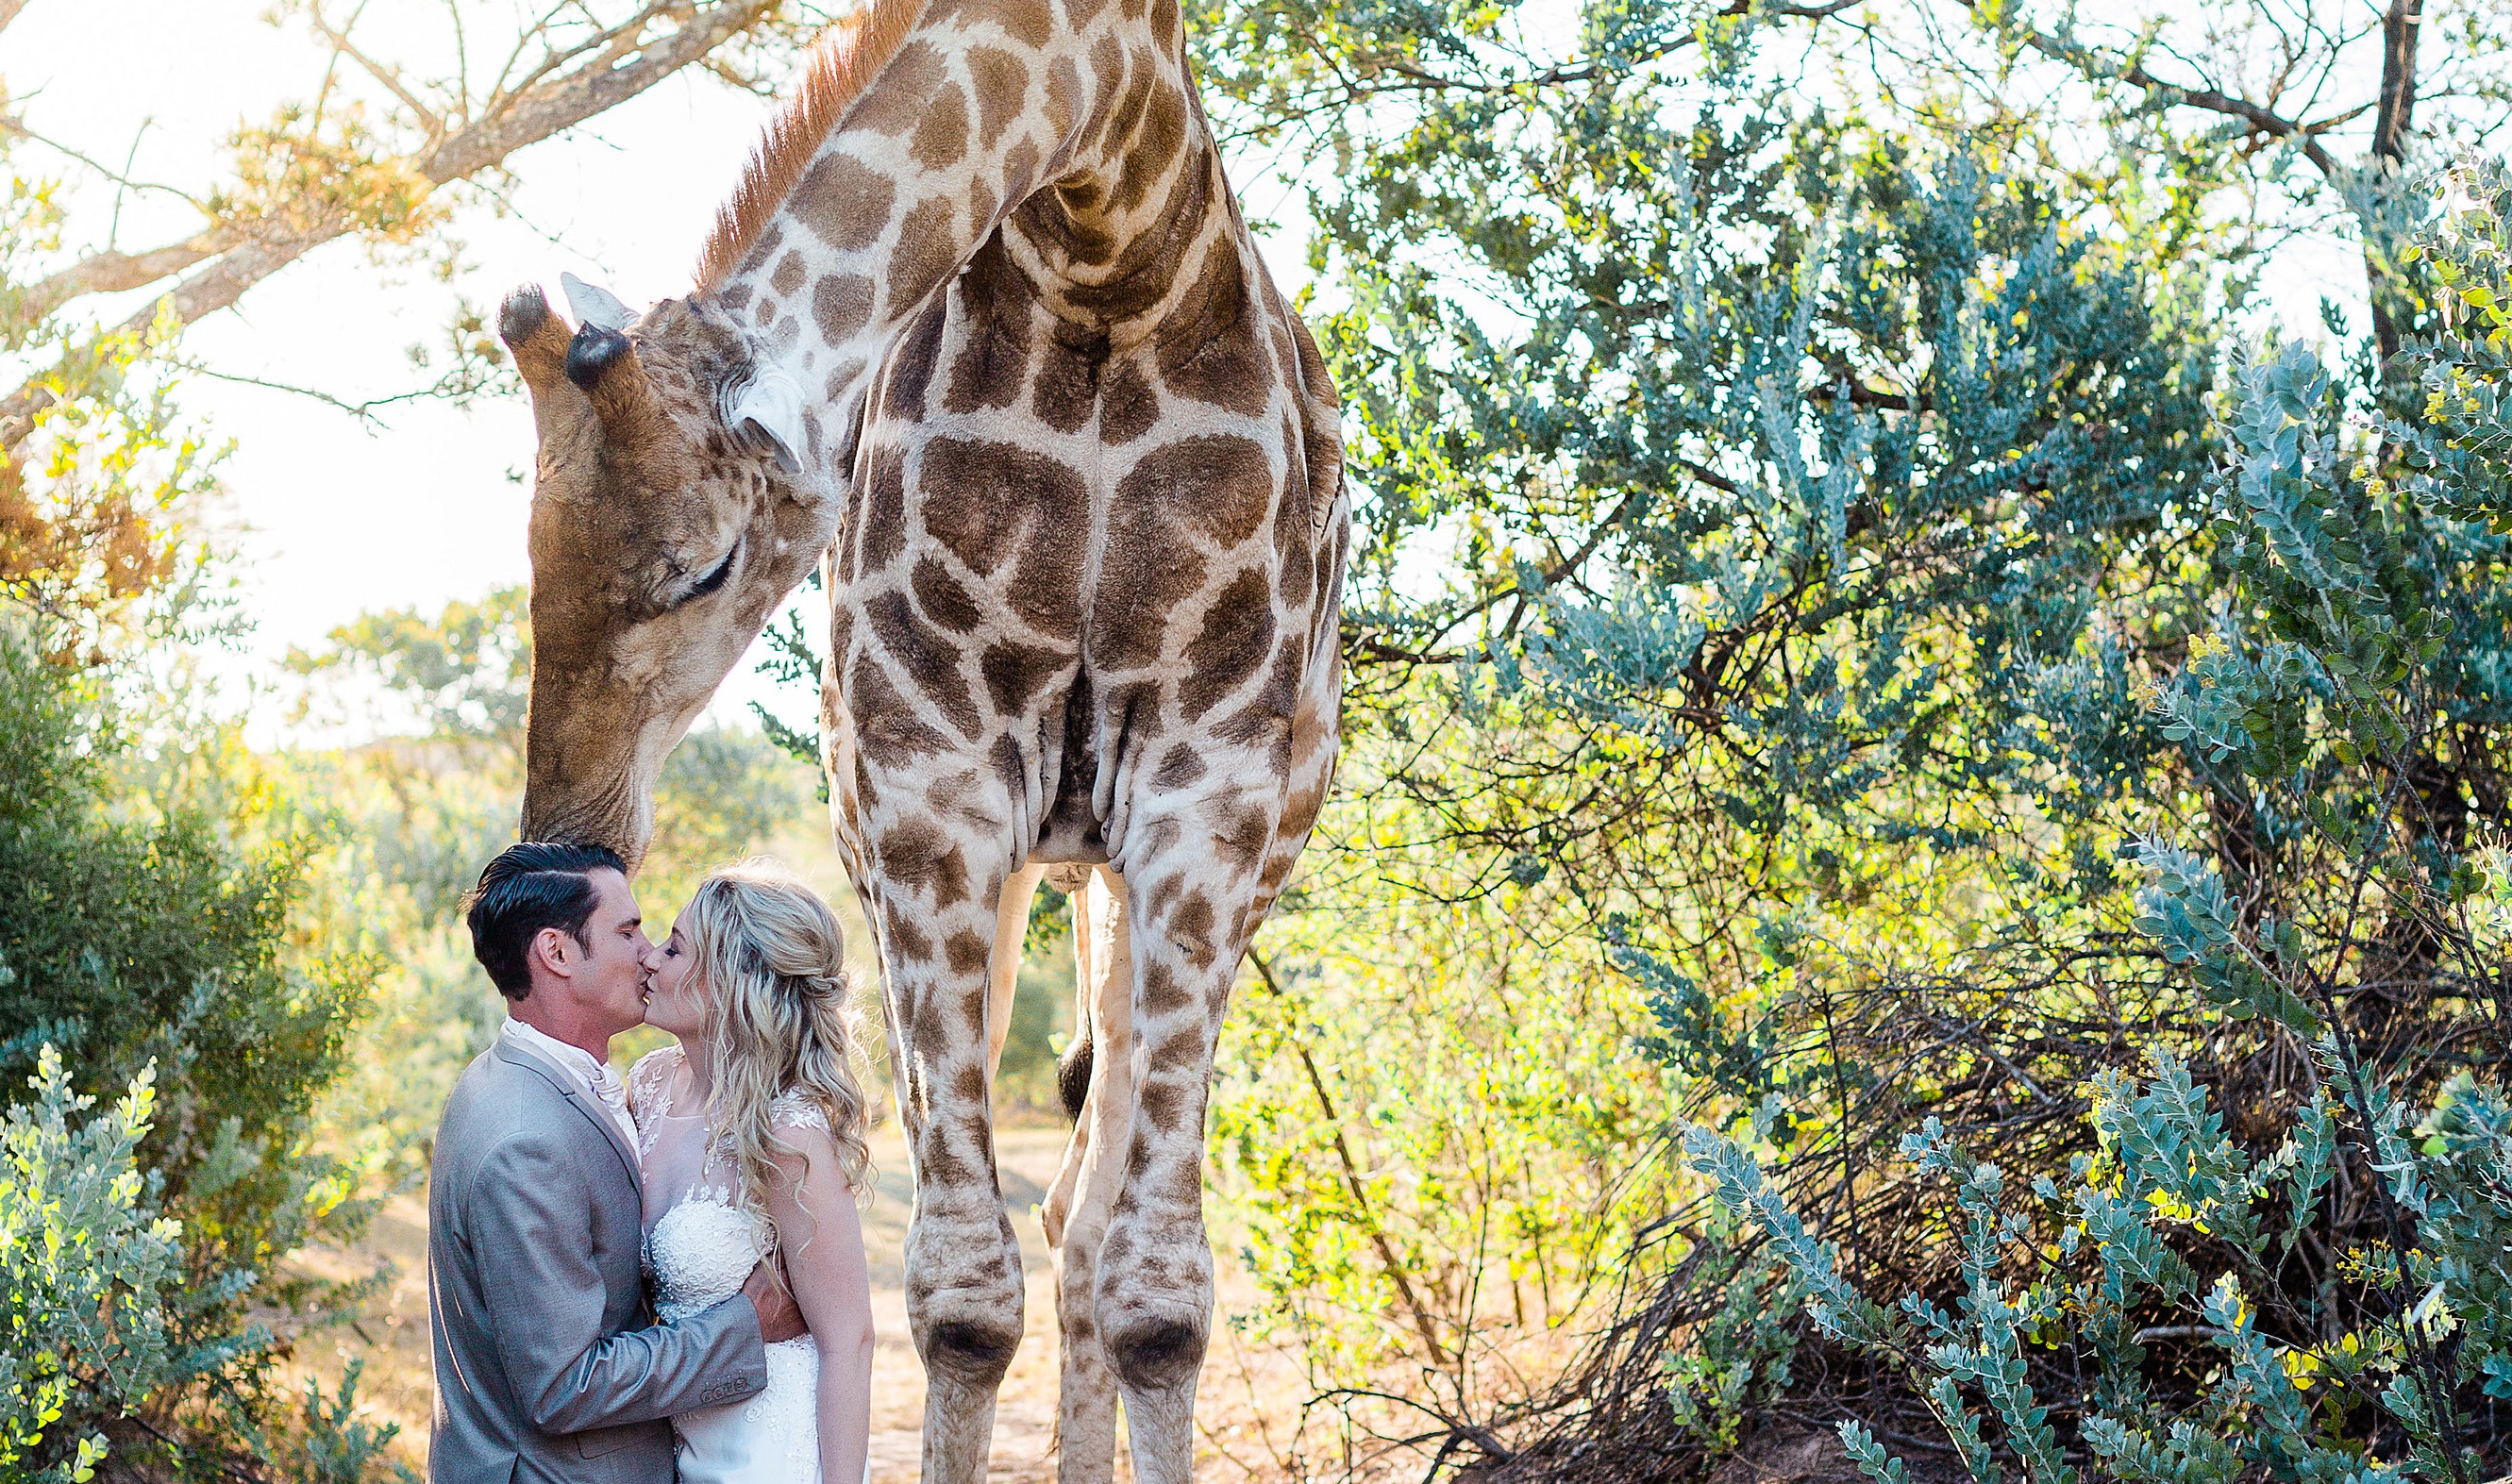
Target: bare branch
(390,77)
(246,252)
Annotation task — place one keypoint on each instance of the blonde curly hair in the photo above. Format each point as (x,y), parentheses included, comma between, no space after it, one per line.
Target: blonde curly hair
(780,1020)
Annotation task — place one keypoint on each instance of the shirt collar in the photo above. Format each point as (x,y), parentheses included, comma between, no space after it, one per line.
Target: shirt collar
(574,1061)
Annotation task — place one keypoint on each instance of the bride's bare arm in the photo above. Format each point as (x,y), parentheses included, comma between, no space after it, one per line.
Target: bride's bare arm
(822,1244)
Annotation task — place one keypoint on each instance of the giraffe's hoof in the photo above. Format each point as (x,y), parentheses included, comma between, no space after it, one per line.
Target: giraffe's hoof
(1155,1354)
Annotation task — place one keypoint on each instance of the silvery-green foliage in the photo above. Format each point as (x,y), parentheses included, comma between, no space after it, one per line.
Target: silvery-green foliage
(92,1276)
(2169,1170)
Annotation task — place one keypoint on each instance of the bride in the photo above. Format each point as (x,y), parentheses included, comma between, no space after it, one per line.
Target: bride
(750,1134)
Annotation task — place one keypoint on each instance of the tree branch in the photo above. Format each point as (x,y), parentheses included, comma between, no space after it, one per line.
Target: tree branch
(246,252)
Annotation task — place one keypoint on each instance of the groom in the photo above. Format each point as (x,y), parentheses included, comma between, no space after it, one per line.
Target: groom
(547,1366)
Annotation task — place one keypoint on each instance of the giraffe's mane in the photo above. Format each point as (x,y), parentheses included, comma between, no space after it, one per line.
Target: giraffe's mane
(847,54)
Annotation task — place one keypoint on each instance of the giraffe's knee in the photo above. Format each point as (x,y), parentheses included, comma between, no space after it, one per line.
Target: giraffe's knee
(1156,1353)
(971,1349)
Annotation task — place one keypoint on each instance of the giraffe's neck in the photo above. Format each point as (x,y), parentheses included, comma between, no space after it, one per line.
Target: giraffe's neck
(1075,131)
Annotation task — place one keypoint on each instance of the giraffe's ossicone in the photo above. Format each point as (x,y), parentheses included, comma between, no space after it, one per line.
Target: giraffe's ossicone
(983,332)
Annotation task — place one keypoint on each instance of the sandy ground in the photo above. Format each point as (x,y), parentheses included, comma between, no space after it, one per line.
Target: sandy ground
(391,1337)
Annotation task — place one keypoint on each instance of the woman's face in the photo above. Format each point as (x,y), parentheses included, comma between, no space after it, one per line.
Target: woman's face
(675,998)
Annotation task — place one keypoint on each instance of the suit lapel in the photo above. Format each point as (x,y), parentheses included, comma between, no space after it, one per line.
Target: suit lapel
(593,1111)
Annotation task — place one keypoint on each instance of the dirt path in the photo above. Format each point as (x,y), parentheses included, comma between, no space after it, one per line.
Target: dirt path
(397,1384)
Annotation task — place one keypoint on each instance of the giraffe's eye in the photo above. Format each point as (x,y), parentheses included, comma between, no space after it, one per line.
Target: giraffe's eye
(717,577)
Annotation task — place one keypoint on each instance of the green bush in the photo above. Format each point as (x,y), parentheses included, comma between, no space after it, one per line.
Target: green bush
(157,935)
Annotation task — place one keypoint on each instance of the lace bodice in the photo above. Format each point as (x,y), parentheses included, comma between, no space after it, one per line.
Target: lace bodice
(700,1245)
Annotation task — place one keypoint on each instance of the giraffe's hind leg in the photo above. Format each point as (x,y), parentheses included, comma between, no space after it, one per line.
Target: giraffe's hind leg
(1076,1209)
(1192,908)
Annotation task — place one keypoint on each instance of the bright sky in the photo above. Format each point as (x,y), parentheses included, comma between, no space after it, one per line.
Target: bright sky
(430,507)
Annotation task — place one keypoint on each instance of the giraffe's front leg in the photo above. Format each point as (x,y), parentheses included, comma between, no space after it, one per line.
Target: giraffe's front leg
(938,884)
(1077,1210)
(1193,907)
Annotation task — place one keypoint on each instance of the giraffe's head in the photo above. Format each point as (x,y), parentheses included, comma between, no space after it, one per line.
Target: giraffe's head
(671,511)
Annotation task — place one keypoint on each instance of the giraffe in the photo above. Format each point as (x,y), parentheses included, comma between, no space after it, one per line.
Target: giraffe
(983,332)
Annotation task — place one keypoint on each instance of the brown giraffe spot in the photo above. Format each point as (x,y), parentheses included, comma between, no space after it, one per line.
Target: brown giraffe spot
(1158,141)
(842,635)
(886,729)
(896,98)
(995,303)
(911,364)
(1181,1048)
(942,136)
(789,274)
(1162,993)
(1178,768)
(1207,345)
(842,304)
(929,659)
(1191,929)
(1219,486)
(907,941)
(1063,87)
(880,524)
(981,207)
(1065,389)
(1185,1185)
(946,1166)
(1129,407)
(973,1013)
(1243,836)
(762,311)
(1108,74)
(1011,770)
(733,297)
(1020,168)
(1045,590)
(1237,634)
(945,599)
(1015,672)
(845,202)
(917,855)
(965,952)
(1028,21)
(925,252)
(1000,81)
(979,497)
(1145,573)
(1162,1105)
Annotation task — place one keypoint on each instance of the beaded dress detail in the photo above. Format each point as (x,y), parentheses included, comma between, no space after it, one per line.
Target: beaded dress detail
(700,1246)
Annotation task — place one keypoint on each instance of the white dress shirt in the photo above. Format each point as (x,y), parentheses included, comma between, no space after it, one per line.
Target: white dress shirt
(591,1074)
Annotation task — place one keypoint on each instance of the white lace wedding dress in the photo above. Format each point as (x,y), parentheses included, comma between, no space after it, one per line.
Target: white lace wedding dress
(700,1245)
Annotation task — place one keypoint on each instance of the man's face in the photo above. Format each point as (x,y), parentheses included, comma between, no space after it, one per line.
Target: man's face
(610,982)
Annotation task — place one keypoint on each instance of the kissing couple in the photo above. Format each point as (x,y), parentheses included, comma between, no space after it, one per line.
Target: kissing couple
(617,1269)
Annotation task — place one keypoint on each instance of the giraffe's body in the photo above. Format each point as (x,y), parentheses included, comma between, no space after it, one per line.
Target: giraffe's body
(1082,467)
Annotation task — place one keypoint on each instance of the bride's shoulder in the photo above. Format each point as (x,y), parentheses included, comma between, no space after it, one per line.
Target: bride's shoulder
(796,1109)
(652,1074)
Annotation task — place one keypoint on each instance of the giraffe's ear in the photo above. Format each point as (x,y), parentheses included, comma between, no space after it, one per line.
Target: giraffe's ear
(594,304)
(770,406)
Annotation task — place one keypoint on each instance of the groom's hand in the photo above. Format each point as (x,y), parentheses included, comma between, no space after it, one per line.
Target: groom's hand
(778,1318)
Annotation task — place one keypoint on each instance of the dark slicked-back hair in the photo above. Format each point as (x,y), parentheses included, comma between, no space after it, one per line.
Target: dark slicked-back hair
(528,887)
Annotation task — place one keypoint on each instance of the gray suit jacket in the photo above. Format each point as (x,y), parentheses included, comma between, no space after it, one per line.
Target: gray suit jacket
(548,1365)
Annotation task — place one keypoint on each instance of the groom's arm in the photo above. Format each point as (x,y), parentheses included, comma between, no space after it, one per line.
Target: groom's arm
(532,1233)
